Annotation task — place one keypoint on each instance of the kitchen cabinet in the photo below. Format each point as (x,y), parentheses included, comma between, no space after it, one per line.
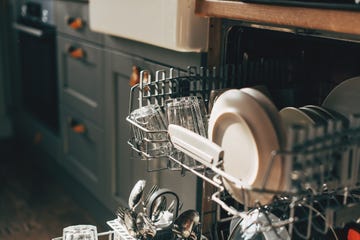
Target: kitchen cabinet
(83,150)
(123,165)
(81,77)
(80,56)
(72,18)
(94,72)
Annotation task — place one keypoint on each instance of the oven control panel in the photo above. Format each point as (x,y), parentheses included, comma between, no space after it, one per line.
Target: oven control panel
(37,11)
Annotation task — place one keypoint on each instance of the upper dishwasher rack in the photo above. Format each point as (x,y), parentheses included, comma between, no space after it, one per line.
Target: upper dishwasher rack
(311,154)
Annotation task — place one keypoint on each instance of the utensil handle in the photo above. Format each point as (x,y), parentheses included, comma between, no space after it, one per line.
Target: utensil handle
(198,147)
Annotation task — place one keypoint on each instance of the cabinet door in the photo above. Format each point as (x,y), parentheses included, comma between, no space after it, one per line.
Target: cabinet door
(81,70)
(122,163)
(117,131)
(83,150)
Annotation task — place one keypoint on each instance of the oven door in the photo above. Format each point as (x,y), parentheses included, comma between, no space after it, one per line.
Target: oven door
(36,43)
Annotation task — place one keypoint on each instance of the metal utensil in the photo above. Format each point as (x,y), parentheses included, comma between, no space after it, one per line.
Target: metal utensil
(171,206)
(160,205)
(129,218)
(159,194)
(145,227)
(145,202)
(184,224)
(136,194)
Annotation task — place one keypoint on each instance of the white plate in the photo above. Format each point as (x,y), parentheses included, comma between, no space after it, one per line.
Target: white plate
(345,97)
(241,126)
(322,112)
(293,116)
(314,115)
(270,109)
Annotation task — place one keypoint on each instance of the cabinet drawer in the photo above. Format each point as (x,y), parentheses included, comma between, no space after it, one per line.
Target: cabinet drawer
(73,18)
(83,149)
(81,70)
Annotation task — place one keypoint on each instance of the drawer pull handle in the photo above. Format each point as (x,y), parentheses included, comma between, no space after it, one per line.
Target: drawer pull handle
(75,23)
(76,52)
(77,127)
(135,76)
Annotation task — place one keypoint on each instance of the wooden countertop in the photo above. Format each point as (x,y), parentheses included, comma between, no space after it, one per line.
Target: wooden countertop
(338,21)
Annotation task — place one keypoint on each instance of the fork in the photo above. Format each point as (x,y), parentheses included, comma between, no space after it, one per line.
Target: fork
(145,202)
(120,212)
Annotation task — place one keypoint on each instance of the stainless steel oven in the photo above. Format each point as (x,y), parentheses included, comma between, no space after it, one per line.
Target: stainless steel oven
(37,49)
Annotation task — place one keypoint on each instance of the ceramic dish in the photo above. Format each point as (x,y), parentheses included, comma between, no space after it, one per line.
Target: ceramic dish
(322,111)
(314,115)
(261,95)
(270,109)
(293,116)
(337,116)
(328,114)
(241,126)
(345,97)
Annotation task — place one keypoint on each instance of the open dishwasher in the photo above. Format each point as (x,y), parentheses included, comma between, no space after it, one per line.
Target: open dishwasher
(315,194)
(306,177)
(273,133)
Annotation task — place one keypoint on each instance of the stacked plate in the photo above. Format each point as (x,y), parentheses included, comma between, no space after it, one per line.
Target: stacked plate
(249,128)
(339,105)
(344,100)
(247,125)
(307,115)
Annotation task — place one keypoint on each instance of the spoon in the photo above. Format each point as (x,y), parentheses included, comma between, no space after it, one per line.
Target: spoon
(185,223)
(136,194)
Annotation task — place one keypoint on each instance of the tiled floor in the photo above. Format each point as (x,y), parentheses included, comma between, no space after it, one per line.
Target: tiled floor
(32,204)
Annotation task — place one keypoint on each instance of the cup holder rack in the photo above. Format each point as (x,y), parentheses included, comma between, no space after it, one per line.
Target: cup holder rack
(322,186)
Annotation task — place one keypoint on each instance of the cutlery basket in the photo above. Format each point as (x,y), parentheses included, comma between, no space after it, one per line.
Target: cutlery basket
(120,229)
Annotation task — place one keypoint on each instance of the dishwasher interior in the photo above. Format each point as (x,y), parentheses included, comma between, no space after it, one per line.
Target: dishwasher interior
(316,200)
(294,69)
(297,68)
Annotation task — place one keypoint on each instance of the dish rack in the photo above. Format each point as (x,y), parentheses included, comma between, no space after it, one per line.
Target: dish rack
(322,189)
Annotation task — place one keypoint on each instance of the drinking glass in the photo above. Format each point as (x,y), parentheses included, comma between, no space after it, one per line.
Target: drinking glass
(153,141)
(80,232)
(190,113)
